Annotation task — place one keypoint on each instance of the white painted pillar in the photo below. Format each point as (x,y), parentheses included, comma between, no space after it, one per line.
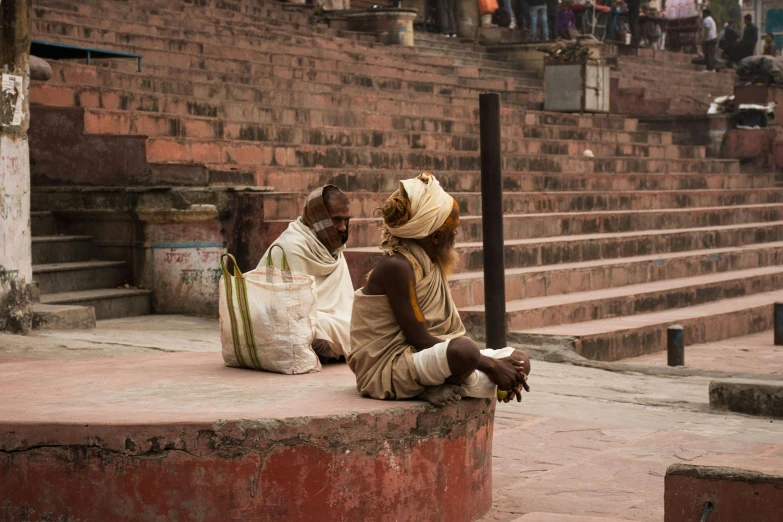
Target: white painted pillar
(15,243)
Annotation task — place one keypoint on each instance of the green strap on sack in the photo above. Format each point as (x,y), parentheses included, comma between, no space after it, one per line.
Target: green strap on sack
(231,273)
(284,266)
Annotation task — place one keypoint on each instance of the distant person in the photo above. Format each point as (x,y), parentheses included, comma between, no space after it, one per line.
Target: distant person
(566,22)
(729,38)
(551,16)
(633,19)
(447,18)
(507,6)
(709,39)
(747,45)
(770,49)
(538,16)
(523,18)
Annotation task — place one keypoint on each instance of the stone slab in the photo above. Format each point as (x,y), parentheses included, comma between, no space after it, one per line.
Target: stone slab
(229,444)
(735,494)
(753,398)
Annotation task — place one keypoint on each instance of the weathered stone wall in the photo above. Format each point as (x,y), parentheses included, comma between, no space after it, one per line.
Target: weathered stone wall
(15,247)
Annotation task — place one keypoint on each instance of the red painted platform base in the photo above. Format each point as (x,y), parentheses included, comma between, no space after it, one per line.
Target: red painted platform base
(180,437)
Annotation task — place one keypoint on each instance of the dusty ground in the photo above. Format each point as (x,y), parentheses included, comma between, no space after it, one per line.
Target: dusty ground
(585,441)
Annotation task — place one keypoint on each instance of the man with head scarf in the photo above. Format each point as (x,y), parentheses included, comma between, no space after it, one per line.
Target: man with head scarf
(314,245)
(407,338)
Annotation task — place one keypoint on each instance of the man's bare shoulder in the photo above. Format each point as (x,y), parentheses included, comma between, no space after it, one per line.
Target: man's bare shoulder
(390,270)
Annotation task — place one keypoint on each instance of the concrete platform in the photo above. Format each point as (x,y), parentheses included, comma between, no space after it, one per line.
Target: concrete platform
(584,443)
(181,437)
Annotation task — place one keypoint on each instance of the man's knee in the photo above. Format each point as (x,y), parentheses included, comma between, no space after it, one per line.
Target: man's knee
(463,355)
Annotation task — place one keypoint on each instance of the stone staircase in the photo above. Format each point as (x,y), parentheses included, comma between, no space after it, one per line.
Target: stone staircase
(601,252)
(650,82)
(75,288)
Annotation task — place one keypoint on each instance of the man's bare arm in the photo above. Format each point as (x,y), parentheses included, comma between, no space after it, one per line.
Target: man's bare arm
(394,277)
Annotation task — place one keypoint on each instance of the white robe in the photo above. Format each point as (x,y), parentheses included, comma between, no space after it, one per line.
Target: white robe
(333,286)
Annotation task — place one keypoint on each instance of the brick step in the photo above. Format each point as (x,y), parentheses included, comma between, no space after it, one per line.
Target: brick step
(531,313)
(379,116)
(381,180)
(250,101)
(366,231)
(590,134)
(520,253)
(61,249)
(62,317)
(76,276)
(42,223)
(99,121)
(467,288)
(282,13)
(192,150)
(285,54)
(623,337)
(109,303)
(282,206)
(220,40)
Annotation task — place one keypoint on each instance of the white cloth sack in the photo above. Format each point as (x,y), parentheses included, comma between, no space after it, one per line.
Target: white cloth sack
(267,318)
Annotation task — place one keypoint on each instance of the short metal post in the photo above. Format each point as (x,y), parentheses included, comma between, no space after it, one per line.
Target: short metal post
(492,221)
(675,345)
(778,324)
(88,58)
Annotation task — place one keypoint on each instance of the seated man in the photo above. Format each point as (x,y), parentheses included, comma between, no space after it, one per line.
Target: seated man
(407,339)
(313,245)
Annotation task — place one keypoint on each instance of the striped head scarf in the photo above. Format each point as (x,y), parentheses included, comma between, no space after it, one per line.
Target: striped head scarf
(316,216)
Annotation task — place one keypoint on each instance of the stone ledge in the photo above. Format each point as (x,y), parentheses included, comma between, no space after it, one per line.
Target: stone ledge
(752,398)
(735,494)
(182,436)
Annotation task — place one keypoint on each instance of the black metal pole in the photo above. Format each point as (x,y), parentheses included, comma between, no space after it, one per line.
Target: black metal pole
(675,345)
(778,318)
(492,221)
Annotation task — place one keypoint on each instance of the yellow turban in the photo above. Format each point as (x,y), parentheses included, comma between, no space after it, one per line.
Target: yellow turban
(430,207)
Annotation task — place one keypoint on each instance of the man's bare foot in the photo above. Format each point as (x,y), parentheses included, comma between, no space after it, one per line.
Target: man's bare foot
(442,395)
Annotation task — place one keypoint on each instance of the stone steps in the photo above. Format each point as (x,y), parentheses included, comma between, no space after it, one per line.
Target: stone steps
(113,89)
(164,150)
(109,303)
(532,313)
(62,249)
(520,253)
(365,231)
(363,204)
(99,121)
(80,275)
(565,278)
(288,51)
(75,288)
(623,337)
(383,180)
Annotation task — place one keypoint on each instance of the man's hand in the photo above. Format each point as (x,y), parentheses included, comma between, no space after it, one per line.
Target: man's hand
(516,392)
(507,373)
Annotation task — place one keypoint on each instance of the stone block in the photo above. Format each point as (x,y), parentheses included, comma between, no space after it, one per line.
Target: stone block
(735,494)
(752,398)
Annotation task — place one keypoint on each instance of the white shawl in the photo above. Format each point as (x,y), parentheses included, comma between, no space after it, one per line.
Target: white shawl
(334,290)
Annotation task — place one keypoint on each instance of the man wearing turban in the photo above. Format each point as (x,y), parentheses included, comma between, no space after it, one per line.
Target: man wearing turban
(407,337)
(314,245)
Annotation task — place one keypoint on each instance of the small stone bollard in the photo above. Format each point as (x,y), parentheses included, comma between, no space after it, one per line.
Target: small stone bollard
(675,345)
(778,318)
